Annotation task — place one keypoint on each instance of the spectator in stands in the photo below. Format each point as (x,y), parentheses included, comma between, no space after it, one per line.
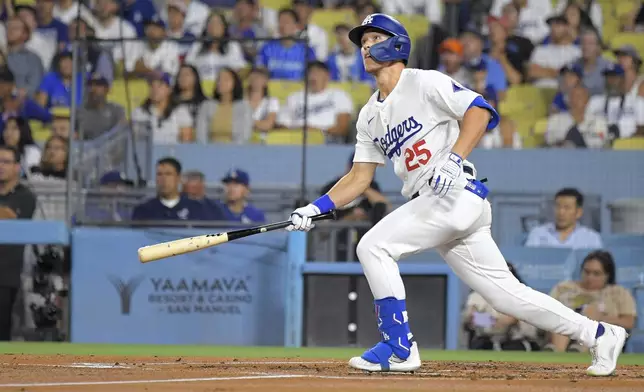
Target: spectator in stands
(286,58)
(54,159)
(362,9)
(236,207)
(631,61)
(49,26)
(16,202)
(570,77)
(317,35)
(196,16)
(177,10)
(532,14)
(217,51)
(431,9)
(370,207)
(597,296)
(56,87)
(23,63)
(228,117)
(329,109)
(265,107)
(188,91)
(169,204)
(61,123)
(512,51)
(473,43)
(547,60)
(245,24)
(490,330)
(575,127)
(592,64)
(15,104)
(623,112)
(110,26)
(345,61)
(92,54)
(590,8)
(68,10)
(194,188)
(451,61)
(38,43)
(159,115)
(154,53)
(565,231)
(137,12)
(102,209)
(97,115)
(17,134)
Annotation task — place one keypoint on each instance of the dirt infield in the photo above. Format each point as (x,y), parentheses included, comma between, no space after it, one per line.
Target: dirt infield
(101,373)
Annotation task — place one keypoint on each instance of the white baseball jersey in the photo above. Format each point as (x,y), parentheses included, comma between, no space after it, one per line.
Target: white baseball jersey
(415,126)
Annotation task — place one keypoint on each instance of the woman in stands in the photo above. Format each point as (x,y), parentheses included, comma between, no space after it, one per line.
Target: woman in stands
(265,107)
(161,117)
(595,295)
(188,92)
(590,8)
(215,51)
(488,329)
(54,159)
(17,134)
(228,117)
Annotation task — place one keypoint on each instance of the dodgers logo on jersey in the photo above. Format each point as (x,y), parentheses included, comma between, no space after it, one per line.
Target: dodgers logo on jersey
(395,137)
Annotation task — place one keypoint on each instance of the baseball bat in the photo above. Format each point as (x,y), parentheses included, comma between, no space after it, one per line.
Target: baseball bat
(192,244)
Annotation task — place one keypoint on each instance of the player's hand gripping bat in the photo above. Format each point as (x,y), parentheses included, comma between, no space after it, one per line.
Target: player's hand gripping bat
(192,244)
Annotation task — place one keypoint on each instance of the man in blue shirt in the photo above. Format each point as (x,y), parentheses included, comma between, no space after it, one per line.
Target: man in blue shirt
(236,207)
(50,27)
(138,11)
(12,104)
(286,58)
(565,231)
(169,204)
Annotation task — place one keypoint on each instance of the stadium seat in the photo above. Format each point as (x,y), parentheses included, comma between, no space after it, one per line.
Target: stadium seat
(289,136)
(625,7)
(526,99)
(635,39)
(281,89)
(208,87)
(629,240)
(416,25)
(275,4)
(634,143)
(541,268)
(360,92)
(136,88)
(540,127)
(328,19)
(39,131)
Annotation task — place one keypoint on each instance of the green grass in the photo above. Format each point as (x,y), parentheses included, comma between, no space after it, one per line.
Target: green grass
(282,352)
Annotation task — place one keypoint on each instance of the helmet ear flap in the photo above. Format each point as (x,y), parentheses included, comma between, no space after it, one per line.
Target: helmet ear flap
(393,49)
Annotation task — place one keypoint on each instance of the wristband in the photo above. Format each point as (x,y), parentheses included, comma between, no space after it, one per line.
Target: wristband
(324,204)
(456,158)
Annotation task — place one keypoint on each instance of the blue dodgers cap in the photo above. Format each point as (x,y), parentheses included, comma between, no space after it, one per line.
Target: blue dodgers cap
(572,68)
(162,76)
(614,69)
(238,176)
(115,177)
(155,20)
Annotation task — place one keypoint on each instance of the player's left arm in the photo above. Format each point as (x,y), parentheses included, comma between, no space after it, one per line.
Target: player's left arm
(458,103)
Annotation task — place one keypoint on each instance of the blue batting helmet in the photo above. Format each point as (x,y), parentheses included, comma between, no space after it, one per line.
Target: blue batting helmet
(398,47)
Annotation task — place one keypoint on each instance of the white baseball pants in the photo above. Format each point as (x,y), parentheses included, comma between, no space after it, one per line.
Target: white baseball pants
(458,227)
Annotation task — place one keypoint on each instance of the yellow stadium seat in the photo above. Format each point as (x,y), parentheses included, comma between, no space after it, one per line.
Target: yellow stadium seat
(635,39)
(360,92)
(609,55)
(275,4)
(634,143)
(281,89)
(416,25)
(625,7)
(208,87)
(328,19)
(289,136)
(136,88)
(39,131)
(526,100)
(540,127)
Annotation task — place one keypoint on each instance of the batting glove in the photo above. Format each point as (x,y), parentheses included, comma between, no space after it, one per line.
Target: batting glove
(445,177)
(301,218)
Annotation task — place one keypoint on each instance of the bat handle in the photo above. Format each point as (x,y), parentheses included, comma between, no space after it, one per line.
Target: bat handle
(331,215)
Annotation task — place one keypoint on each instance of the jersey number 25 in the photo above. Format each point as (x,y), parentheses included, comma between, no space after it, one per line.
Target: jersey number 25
(417,155)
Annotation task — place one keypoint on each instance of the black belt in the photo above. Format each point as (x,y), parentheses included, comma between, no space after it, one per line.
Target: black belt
(466,169)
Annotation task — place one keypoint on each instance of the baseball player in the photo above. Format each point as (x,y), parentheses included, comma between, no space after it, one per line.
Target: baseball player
(427,125)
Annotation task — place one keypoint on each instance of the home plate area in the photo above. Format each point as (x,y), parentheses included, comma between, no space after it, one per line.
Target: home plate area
(20,372)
